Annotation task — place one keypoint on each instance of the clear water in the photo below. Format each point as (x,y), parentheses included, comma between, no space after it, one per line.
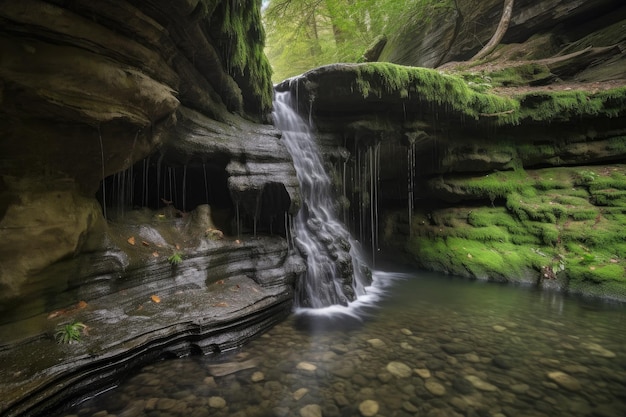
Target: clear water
(431,346)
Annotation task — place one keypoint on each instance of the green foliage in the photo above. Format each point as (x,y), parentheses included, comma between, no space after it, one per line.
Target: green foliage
(69,333)
(304,34)
(175,258)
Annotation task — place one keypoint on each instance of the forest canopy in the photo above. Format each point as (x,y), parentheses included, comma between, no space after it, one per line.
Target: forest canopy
(304,34)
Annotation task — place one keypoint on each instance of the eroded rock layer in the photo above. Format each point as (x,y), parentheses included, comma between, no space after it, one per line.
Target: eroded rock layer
(142,191)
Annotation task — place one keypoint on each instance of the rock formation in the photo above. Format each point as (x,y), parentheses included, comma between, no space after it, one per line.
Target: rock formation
(508,169)
(143,191)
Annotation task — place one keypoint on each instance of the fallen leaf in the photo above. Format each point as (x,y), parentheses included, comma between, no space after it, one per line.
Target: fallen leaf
(177,246)
(592,268)
(222,304)
(131,240)
(143,242)
(140,307)
(220,282)
(81,304)
(155,254)
(155,298)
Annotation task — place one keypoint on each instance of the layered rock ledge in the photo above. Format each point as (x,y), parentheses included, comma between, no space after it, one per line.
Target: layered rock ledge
(143,192)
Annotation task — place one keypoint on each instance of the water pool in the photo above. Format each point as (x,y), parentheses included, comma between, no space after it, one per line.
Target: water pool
(431,346)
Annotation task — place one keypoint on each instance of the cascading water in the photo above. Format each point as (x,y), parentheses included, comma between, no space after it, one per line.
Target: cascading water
(335,267)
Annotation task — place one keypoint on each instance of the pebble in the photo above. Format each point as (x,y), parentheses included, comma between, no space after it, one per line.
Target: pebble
(377,343)
(564,380)
(217,402)
(479,384)
(368,408)
(499,328)
(423,373)
(435,388)
(399,369)
(311,410)
(306,366)
(596,349)
(257,377)
(299,393)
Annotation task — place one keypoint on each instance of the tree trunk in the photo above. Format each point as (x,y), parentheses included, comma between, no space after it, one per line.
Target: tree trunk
(500,31)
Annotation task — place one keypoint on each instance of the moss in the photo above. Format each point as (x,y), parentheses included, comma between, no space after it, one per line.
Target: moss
(448,91)
(567,105)
(241,42)
(550,220)
(519,75)
(458,95)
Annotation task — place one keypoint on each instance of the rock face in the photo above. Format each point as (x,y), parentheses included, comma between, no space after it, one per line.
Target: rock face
(142,190)
(456,30)
(507,172)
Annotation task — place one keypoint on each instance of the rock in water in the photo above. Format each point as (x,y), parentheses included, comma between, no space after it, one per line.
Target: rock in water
(368,408)
(399,369)
(564,380)
(222,369)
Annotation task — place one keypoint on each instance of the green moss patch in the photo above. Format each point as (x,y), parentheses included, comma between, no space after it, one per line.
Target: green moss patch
(548,225)
(468,95)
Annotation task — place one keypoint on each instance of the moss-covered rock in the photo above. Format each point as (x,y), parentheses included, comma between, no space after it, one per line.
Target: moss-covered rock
(541,225)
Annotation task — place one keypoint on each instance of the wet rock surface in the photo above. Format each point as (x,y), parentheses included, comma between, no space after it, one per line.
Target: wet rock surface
(208,303)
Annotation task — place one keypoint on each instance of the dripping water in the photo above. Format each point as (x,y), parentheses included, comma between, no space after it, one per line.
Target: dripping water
(319,236)
(104,201)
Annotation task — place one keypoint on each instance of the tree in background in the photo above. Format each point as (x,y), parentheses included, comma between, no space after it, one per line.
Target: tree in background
(303,34)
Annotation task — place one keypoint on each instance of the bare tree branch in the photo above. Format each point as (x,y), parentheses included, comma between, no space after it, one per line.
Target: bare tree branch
(500,31)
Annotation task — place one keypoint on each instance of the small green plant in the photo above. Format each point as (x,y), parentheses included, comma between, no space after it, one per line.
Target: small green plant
(175,258)
(69,333)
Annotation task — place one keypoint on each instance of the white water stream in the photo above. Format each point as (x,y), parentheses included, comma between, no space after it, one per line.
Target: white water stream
(335,266)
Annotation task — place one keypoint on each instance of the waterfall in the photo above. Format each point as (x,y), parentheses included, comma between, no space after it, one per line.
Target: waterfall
(336,272)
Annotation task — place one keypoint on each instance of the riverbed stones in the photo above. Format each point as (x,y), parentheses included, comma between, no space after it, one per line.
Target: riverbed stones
(399,369)
(369,408)
(306,366)
(565,381)
(257,376)
(479,384)
(456,348)
(299,393)
(423,373)
(435,388)
(311,410)
(376,343)
(597,350)
(217,402)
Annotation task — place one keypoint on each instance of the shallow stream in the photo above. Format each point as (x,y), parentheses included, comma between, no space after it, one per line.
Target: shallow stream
(431,346)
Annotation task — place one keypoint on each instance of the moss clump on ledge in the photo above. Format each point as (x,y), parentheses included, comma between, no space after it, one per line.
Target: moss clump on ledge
(546,227)
(448,91)
(455,94)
